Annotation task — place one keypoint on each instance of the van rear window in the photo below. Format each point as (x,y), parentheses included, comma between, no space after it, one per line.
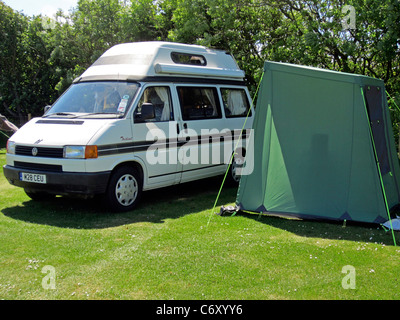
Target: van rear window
(187,58)
(235,103)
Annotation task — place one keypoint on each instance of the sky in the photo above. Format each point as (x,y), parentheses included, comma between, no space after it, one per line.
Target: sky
(44,7)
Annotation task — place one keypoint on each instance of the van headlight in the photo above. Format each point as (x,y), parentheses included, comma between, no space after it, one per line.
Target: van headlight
(80,152)
(11,147)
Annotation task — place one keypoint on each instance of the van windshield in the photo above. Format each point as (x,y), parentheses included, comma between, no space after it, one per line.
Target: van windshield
(95,100)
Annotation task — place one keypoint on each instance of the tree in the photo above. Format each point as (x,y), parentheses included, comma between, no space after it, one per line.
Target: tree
(96,26)
(40,57)
(27,78)
(12,28)
(141,21)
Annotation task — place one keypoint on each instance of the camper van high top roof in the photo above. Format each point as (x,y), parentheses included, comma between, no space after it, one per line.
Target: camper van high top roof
(153,59)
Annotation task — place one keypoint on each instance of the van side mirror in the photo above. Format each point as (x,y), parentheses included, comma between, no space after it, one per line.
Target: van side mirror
(147,113)
(46,108)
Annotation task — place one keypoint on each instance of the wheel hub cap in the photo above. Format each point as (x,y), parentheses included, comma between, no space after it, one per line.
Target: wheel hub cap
(126,190)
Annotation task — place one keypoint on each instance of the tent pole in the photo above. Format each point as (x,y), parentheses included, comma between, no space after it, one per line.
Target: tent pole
(4,134)
(233,154)
(378,166)
(394,102)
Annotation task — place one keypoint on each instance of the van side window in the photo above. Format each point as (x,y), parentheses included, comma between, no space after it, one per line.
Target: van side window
(160,99)
(236,103)
(199,103)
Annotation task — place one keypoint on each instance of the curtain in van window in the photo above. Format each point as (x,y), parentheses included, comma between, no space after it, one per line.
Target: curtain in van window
(236,104)
(163,94)
(210,95)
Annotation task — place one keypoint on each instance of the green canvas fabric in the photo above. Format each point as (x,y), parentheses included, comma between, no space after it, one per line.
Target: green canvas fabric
(313,152)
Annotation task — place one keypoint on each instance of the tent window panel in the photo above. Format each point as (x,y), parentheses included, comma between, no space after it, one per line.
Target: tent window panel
(375,112)
(160,98)
(199,103)
(236,103)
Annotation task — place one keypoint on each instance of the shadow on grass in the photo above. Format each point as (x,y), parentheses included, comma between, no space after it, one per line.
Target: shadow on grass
(327,229)
(180,200)
(155,206)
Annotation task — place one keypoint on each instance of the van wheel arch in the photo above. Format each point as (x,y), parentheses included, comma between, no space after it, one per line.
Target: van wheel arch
(132,164)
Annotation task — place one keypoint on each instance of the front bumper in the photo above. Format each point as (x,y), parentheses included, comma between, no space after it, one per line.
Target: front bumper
(60,182)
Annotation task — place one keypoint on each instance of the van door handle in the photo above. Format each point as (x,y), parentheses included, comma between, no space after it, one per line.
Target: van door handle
(177,128)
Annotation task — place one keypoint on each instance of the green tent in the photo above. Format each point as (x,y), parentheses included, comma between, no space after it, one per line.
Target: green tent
(324,147)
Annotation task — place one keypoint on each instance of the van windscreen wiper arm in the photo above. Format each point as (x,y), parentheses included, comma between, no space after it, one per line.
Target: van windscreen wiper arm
(59,114)
(117,115)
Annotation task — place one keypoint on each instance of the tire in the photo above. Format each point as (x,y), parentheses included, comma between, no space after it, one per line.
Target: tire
(124,189)
(233,178)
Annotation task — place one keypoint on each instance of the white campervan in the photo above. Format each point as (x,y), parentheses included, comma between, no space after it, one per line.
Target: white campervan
(145,115)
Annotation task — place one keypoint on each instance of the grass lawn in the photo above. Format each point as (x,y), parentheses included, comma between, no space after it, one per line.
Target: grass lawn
(166,250)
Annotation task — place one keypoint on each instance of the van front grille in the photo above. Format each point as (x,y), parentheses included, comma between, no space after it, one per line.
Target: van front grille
(39,152)
(37,166)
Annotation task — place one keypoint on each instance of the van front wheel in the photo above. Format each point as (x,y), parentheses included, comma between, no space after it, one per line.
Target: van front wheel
(124,189)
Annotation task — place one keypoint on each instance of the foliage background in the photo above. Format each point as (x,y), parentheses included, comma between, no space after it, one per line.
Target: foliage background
(40,56)
(140,255)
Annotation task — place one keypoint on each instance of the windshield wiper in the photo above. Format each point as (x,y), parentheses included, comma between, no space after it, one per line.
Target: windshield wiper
(117,115)
(63,114)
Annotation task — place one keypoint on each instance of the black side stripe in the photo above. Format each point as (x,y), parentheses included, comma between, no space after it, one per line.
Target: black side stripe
(118,148)
(130,147)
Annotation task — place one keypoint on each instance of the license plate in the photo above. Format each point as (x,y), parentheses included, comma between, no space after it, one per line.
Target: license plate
(32,177)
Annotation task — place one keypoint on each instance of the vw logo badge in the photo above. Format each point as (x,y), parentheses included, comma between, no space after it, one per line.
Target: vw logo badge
(34,151)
